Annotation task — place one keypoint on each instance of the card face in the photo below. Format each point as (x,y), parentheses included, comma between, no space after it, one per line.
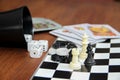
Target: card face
(78,29)
(102,31)
(95,32)
(76,41)
(66,33)
(43,24)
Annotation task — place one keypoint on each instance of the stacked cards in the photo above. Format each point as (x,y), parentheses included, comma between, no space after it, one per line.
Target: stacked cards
(96,32)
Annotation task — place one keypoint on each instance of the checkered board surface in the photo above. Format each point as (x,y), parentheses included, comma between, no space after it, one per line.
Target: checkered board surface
(107,67)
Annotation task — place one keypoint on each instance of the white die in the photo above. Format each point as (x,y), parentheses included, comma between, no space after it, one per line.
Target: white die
(36,51)
(31,44)
(28,37)
(44,43)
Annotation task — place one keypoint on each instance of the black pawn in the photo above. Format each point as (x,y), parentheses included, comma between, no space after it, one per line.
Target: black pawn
(89,60)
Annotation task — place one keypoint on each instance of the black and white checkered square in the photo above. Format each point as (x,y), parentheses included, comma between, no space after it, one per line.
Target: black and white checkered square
(107,67)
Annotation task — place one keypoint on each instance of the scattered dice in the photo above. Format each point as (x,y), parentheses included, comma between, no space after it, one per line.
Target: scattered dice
(36,51)
(44,43)
(36,48)
(31,44)
(28,37)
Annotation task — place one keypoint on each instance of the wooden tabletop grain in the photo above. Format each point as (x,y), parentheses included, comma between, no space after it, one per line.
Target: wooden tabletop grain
(16,64)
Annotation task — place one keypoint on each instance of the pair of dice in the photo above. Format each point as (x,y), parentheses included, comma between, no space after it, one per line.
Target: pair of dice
(36,47)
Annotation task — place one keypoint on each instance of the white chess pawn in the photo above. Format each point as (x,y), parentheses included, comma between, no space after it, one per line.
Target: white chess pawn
(83,54)
(75,64)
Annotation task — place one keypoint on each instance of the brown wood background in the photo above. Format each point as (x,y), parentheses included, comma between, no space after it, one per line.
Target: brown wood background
(15,63)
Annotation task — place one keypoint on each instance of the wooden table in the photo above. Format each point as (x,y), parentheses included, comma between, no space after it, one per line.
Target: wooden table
(16,64)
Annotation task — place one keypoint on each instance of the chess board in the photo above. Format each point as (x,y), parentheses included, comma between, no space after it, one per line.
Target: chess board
(107,67)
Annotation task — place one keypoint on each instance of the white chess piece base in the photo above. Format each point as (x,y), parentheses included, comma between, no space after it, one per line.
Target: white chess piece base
(75,66)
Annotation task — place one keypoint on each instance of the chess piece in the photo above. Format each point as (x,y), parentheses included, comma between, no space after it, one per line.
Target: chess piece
(75,64)
(83,54)
(70,56)
(55,57)
(89,48)
(89,60)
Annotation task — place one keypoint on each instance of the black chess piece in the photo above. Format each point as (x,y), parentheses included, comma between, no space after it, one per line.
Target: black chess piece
(89,48)
(62,59)
(58,58)
(71,45)
(70,56)
(59,44)
(55,57)
(89,60)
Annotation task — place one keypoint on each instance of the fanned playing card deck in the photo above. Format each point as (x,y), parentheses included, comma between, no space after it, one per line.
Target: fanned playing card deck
(96,32)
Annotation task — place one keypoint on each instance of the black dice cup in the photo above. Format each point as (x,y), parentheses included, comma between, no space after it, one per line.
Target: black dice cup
(14,24)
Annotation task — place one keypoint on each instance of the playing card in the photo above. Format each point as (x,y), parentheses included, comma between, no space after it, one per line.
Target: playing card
(43,24)
(74,40)
(78,42)
(99,31)
(66,33)
(80,29)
